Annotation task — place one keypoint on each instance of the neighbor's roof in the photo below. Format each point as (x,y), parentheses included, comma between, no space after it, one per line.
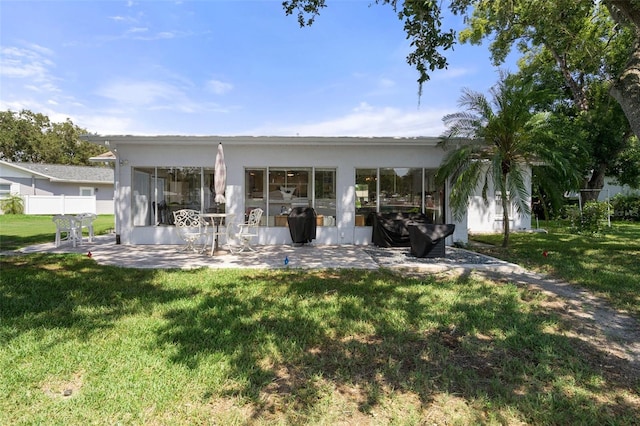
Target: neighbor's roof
(64,173)
(104,157)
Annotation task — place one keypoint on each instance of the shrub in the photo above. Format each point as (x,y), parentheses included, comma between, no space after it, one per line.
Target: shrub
(592,219)
(13,204)
(626,206)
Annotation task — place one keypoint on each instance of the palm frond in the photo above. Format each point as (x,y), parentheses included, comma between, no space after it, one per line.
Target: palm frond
(517,190)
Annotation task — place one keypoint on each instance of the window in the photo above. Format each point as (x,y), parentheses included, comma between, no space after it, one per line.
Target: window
(159,191)
(325,196)
(86,191)
(5,190)
(433,198)
(255,184)
(402,190)
(366,194)
(277,190)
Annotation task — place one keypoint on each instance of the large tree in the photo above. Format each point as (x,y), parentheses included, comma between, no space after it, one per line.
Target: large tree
(572,45)
(551,23)
(491,143)
(31,137)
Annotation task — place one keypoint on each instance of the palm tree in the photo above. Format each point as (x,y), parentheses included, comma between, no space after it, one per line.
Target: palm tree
(494,143)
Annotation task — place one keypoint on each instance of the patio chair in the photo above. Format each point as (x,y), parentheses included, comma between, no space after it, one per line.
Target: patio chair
(246,232)
(191,228)
(85,220)
(67,225)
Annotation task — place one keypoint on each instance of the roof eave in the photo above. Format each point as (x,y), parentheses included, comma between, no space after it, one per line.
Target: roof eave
(114,140)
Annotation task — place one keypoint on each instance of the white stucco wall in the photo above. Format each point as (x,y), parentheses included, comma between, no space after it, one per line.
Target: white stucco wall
(482,217)
(343,154)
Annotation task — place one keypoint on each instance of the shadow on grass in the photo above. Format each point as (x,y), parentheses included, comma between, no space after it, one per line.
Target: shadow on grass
(368,334)
(14,242)
(43,291)
(288,338)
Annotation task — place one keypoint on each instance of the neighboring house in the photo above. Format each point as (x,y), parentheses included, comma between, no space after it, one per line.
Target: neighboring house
(55,188)
(611,188)
(342,178)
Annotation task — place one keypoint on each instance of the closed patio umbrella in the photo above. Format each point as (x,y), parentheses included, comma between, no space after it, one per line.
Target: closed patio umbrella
(220,176)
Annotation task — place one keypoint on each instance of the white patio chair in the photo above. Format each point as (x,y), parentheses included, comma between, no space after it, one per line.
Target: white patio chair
(67,225)
(191,228)
(246,232)
(85,220)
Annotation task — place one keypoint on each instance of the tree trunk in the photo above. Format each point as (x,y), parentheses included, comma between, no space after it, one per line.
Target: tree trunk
(626,86)
(626,90)
(505,217)
(594,184)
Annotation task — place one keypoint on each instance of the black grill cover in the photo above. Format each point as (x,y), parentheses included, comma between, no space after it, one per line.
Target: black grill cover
(302,224)
(428,240)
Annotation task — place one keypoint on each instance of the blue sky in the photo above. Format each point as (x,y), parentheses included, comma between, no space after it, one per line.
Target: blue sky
(225,68)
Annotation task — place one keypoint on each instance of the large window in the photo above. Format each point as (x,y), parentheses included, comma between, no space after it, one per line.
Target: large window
(433,198)
(366,194)
(277,190)
(159,191)
(325,196)
(402,190)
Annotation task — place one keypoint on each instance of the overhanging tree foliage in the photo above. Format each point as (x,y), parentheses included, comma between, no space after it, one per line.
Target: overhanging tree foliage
(577,49)
(551,23)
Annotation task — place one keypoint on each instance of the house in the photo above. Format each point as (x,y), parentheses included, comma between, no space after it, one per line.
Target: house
(343,178)
(612,188)
(56,189)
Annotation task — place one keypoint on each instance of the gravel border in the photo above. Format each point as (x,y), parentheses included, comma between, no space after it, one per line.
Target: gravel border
(453,256)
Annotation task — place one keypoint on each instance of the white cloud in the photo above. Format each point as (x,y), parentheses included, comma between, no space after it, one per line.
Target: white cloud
(451,73)
(218,87)
(386,83)
(140,93)
(24,63)
(132,96)
(31,64)
(166,34)
(367,120)
(134,30)
(105,124)
(119,18)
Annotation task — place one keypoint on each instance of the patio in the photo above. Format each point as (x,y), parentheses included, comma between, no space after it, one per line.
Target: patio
(104,251)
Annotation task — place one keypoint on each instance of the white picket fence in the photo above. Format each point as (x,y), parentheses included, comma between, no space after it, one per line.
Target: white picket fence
(59,204)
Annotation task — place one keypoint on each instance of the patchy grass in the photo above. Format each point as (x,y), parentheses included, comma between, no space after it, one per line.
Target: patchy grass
(608,265)
(84,343)
(18,231)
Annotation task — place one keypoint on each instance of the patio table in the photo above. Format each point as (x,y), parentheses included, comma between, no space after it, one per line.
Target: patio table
(221,217)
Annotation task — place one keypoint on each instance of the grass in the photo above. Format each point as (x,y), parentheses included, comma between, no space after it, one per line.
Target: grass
(18,231)
(608,265)
(85,343)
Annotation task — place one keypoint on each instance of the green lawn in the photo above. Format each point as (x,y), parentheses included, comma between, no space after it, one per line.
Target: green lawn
(85,344)
(18,231)
(607,265)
